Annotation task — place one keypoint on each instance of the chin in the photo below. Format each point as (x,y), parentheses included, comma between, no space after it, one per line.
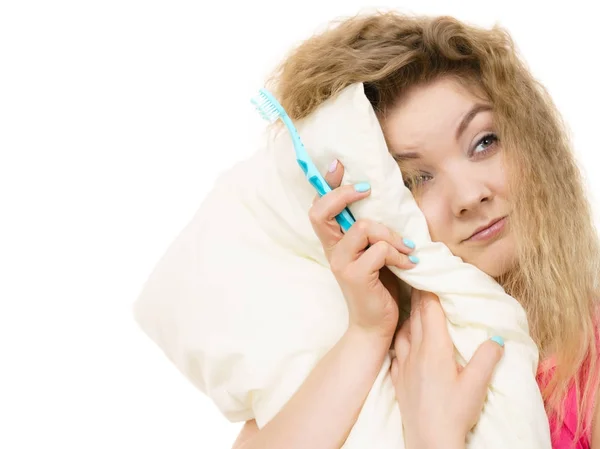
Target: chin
(496,259)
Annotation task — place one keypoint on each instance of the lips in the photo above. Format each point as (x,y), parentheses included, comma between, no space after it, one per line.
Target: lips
(489,228)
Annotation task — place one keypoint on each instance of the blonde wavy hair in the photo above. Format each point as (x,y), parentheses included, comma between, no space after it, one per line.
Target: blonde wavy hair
(558,251)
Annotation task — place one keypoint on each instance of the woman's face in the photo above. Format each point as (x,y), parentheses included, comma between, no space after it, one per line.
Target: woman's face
(446,135)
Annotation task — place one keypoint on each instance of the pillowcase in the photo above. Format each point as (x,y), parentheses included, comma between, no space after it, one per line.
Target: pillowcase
(245,305)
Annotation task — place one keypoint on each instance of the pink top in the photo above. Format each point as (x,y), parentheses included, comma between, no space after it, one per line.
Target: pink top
(563,433)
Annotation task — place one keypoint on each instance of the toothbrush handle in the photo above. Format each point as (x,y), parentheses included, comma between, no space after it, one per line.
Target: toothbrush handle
(345,218)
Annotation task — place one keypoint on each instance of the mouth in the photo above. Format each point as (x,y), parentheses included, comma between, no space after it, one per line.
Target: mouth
(488,231)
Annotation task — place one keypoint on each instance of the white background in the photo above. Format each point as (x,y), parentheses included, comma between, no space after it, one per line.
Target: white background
(115,119)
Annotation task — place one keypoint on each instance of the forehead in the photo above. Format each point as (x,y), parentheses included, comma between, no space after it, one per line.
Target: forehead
(427,111)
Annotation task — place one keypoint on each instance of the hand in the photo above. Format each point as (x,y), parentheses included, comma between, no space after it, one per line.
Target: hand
(359,257)
(439,400)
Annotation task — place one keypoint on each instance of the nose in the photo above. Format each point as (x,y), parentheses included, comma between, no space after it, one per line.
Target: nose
(468,192)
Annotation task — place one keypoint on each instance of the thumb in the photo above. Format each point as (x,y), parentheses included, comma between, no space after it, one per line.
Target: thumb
(476,376)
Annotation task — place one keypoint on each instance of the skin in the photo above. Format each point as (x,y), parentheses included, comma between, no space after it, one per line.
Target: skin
(463,184)
(444,134)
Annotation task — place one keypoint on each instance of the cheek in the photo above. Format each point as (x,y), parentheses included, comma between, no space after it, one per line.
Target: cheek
(496,177)
(437,224)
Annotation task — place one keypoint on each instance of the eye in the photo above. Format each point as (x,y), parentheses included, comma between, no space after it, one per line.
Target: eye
(417,180)
(485,144)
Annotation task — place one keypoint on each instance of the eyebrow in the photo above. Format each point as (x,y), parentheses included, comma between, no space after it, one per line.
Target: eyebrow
(466,120)
(469,116)
(404,156)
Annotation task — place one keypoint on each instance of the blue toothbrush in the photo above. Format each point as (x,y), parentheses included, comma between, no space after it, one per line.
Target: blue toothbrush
(270,109)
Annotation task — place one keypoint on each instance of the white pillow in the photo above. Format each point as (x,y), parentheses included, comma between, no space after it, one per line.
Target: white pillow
(245,305)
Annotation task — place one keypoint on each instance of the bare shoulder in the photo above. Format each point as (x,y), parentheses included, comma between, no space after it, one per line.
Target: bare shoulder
(248,431)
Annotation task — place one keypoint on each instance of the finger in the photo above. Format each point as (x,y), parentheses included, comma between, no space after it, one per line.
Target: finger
(376,257)
(333,177)
(394,370)
(367,232)
(433,319)
(335,174)
(324,210)
(415,298)
(402,342)
(395,376)
(477,374)
(416,326)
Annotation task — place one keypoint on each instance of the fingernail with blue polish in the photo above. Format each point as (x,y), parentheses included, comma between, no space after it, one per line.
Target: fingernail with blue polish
(413,259)
(498,339)
(362,187)
(409,243)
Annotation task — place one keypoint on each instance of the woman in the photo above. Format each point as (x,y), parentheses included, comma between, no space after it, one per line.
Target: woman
(485,154)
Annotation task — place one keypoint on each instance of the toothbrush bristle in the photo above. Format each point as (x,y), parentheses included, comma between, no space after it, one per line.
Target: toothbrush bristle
(265,107)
